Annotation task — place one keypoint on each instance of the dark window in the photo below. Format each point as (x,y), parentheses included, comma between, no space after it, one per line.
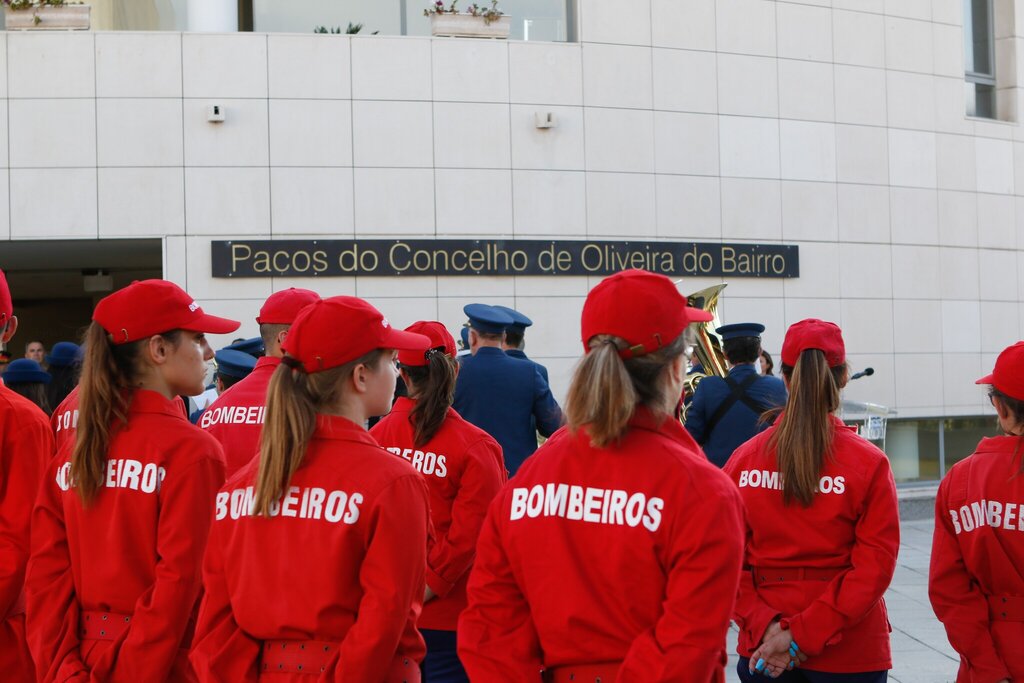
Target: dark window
(979,58)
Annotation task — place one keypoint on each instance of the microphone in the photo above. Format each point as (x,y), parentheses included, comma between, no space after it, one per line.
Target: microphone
(866,372)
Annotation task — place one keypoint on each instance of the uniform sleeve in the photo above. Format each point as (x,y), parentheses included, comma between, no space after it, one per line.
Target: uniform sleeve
(51,608)
(451,555)
(957,600)
(695,419)
(850,595)
(391,578)
(162,613)
(26,446)
(497,638)
(221,651)
(752,614)
(703,568)
(545,408)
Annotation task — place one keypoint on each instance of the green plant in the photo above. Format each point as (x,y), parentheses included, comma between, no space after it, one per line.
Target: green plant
(351,30)
(29,4)
(489,14)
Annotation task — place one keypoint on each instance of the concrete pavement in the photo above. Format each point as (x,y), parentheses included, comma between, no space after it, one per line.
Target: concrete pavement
(920,651)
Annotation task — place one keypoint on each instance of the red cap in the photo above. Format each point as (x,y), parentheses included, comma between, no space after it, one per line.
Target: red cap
(439,336)
(6,307)
(1008,374)
(641,307)
(280,308)
(814,334)
(149,307)
(338,330)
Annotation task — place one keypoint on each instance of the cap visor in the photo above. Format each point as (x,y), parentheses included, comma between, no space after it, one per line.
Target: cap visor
(987,379)
(212,324)
(405,341)
(698,315)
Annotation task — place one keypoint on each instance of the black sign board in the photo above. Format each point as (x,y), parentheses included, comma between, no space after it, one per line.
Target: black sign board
(326,258)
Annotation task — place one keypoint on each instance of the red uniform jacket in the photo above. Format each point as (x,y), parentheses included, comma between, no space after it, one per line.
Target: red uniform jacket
(978,553)
(135,550)
(628,554)
(463,469)
(64,420)
(26,445)
(236,417)
(342,561)
(851,528)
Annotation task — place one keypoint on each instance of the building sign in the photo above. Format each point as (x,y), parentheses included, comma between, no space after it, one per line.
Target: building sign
(326,258)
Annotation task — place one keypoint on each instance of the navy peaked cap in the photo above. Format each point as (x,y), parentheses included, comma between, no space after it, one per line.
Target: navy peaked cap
(738,330)
(487,319)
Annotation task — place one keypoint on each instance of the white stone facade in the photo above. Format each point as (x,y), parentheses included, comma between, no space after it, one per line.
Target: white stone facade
(837,126)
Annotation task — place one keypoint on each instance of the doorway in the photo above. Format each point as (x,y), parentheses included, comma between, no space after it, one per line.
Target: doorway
(55,284)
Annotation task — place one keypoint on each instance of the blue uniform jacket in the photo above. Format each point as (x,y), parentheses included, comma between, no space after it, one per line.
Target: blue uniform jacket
(521,355)
(503,396)
(740,422)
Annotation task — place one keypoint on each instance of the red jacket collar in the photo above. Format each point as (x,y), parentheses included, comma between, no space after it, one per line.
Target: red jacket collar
(336,428)
(404,404)
(151,402)
(265,361)
(666,425)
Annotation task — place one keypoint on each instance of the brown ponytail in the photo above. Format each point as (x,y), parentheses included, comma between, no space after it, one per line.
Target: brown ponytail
(803,437)
(433,387)
(108,372)
(294,397)
(605,389)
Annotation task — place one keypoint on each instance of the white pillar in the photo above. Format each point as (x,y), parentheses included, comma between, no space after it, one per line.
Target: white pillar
(213,16)
(904,452)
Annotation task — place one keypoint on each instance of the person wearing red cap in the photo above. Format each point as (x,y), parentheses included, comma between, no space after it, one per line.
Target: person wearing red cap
(26,445)
(463,469)
(235,418)
(614,553)
(349,519)
(120,525)
(975,582)
(822,529)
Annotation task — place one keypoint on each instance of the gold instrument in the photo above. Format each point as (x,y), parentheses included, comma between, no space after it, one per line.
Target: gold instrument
(707,345)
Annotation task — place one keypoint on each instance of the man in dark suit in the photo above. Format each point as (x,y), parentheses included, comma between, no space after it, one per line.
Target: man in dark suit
(515,339)
(726,412)
(504,396)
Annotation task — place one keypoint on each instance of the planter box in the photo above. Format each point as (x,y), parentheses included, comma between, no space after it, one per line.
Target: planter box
(468,26)
(48,17)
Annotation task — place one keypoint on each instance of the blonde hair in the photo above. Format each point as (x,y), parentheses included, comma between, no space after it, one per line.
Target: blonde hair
(606,388)
(294,398)
(804,434)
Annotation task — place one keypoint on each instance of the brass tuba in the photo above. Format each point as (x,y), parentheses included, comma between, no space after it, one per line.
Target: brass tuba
(707,345)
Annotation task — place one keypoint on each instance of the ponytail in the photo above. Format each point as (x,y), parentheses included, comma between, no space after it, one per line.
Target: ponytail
(108,372)
(803,437)
(433,387)
(606,389)
(294,397)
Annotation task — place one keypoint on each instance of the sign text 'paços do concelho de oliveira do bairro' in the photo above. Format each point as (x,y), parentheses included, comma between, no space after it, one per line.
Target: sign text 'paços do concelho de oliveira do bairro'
(396,257)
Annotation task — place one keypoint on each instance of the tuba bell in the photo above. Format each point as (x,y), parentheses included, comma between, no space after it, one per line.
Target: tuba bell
(706,343)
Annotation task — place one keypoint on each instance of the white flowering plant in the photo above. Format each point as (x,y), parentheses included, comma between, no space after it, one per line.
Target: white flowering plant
(489,14)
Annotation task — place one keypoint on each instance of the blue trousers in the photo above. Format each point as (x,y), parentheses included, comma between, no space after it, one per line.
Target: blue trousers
(442,665)
(805,676)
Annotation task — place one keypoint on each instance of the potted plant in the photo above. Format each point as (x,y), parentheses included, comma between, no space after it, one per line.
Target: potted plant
(475,22)
(45,14)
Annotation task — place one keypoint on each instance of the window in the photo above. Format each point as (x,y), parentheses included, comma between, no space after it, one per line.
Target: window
(544,20)
(979,58)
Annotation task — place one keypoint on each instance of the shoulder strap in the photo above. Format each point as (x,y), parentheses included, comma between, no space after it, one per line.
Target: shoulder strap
(738,392)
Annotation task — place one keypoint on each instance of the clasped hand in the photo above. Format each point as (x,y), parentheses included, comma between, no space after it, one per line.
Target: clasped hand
(776,653)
